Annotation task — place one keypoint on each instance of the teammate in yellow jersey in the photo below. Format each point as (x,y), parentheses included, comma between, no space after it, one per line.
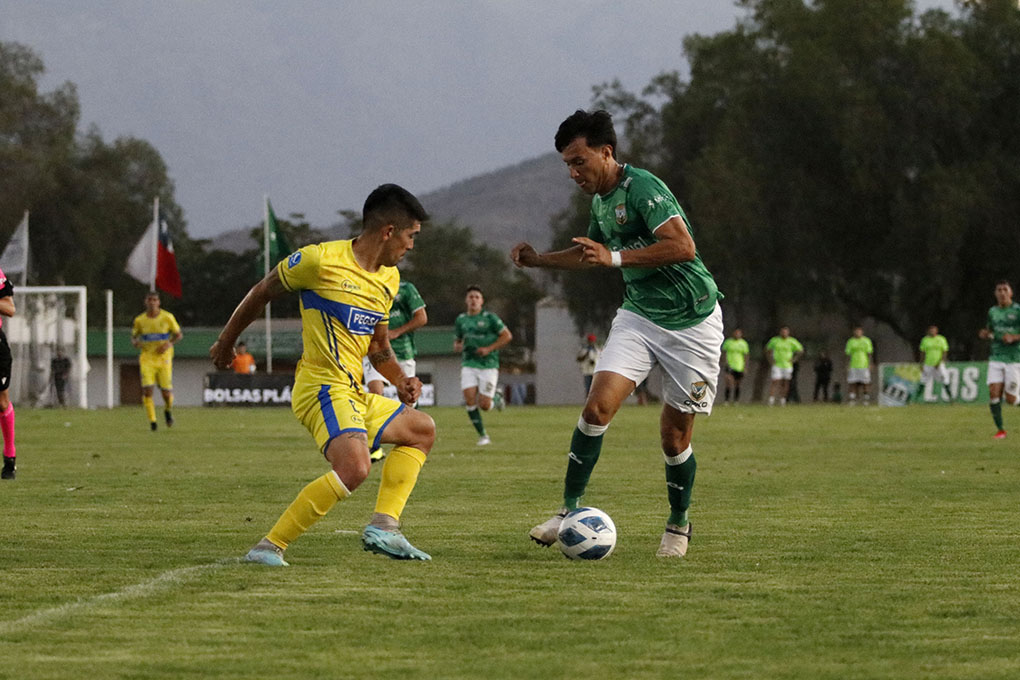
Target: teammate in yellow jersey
(155,332)
(346,289)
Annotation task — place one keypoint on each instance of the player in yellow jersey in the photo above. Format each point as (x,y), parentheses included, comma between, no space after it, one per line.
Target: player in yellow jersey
(346,289)
(154,332)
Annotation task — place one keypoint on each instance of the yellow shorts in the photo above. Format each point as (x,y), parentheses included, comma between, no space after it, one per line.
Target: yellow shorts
(328,411)
(157,372)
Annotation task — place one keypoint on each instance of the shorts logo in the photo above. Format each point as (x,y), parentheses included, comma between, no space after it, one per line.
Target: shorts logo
(621,214)
(293,260)
(698,390)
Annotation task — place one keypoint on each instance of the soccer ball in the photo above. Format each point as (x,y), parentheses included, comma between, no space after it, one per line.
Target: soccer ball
(587,534)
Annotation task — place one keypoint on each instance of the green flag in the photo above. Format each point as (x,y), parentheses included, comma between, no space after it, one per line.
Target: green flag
(275,242)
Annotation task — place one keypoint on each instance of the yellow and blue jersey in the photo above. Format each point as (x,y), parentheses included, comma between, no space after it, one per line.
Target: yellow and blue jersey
(153,331)
(341,304)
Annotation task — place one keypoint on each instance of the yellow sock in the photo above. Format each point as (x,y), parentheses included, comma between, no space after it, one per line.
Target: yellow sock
(311,505)
(399,474)
(150,408)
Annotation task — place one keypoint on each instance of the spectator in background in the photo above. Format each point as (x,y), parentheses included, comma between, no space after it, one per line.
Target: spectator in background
(244,362)
(858,375)
(823,374)
(60,369)
(782,352)
(587,358)
(735,349)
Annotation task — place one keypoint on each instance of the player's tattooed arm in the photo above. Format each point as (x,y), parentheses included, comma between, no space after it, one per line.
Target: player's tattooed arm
(381,357)
(360,436)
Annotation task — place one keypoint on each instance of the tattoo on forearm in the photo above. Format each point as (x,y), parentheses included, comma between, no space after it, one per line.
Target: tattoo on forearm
(361,436)
(380,357)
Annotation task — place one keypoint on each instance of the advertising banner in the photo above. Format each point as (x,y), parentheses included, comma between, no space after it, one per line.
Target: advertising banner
(272,389)
(901,384)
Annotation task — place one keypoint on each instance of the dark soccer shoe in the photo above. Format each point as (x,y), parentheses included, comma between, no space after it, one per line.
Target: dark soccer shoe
(169,418)
(9,470)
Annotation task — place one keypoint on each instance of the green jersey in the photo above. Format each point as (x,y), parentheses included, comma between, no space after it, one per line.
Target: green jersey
(736,353)
(934,348)
(674,296)
(476,331)
(405,304)
(859,350)
(783,350)
(1001,321)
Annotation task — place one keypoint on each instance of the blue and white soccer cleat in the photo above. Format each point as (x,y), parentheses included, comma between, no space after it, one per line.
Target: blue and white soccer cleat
(267,554)
(391,543)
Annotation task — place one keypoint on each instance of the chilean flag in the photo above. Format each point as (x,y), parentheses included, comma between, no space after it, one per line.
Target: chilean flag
(168,279)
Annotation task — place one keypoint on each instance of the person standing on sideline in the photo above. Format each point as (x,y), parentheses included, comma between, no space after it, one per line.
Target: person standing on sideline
(244,362)
(6,361)
(60,369)
(670,316)
(858,375)
(1003,329)
(346,289)
(479,335)
(587,358)
(782,351)
(823,374)
(155,332)
(933,363)
(736,349)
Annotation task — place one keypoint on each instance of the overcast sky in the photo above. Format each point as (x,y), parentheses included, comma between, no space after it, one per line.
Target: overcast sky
(316,103)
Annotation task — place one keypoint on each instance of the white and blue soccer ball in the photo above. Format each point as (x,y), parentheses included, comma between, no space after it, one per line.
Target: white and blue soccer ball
(587,534)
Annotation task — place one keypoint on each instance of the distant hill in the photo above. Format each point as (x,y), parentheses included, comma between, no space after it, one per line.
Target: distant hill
(502,207)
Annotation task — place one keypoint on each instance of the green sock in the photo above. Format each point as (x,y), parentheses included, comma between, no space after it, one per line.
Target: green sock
(996,409)
(679,484)
(585,448)
(476,419)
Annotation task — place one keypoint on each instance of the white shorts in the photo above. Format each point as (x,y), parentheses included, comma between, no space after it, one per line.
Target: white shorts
(859,376)
(484,379)
(689,357)
(781,373)
(930,373)
(1009,374)
(371,374)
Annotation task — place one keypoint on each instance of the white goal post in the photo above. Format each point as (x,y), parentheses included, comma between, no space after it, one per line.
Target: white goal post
(49,325)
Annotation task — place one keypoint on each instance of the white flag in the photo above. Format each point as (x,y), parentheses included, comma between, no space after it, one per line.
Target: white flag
(141,263)
(14,259)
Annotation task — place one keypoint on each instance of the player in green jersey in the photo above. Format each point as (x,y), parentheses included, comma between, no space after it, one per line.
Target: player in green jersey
(1003,329)
(933,364)
(736,350)
(782,351)
(858,375)
(479,335)
(407,314)
(670,315)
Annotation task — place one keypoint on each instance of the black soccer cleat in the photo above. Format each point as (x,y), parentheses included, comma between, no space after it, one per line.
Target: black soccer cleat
(169,418)
(9,470)
(152,426)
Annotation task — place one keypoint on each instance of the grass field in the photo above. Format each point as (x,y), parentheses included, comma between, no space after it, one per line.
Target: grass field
(829,543)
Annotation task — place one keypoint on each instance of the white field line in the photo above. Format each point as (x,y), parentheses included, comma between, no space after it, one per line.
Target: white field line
(143,589)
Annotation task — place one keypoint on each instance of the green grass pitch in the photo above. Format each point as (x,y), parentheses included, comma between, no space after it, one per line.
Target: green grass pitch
(829,543)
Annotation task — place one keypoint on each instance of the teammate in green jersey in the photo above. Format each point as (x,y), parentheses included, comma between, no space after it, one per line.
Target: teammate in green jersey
(858,375)
(479,336)
(1003,329)
(407,314)
(736,350)
(933,364)
(670,315)
(782,351)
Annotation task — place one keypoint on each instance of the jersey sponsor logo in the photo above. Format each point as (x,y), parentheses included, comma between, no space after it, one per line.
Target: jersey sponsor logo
(621,214)
(154,337)
(349,285)
(293,260)
(358,321)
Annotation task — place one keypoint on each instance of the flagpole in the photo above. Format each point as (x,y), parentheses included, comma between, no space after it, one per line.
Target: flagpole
(265,272)
(155,242)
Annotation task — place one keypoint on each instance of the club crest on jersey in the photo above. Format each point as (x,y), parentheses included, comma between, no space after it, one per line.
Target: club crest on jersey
(621,214)
(698,390)
(293,260)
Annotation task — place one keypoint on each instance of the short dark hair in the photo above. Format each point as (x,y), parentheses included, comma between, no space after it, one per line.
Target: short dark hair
(1003,282)
(392,204)
(595,126)
(473,287)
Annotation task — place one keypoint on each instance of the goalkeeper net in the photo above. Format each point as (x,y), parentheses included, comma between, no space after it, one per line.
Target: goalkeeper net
(48,343)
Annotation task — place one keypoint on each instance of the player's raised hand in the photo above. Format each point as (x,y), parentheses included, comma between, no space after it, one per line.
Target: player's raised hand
(524,255)
(222,354)
(409,391)
(593,253)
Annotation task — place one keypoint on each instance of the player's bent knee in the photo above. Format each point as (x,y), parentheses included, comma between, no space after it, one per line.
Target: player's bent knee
(353,470)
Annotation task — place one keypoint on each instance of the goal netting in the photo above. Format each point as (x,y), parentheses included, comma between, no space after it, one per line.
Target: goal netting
(47,335)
